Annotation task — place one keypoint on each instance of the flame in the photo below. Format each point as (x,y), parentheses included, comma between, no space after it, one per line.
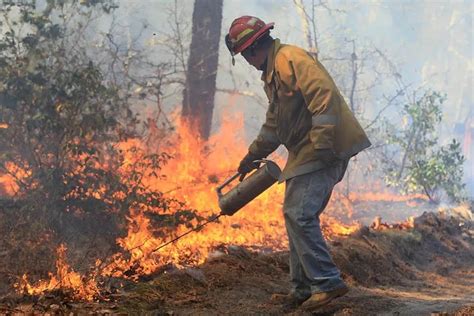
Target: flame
(65,279)
(192,175)
(377,224)
(9,180)
(3,125)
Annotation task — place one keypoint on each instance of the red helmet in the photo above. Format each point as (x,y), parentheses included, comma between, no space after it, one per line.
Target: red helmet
(244,31)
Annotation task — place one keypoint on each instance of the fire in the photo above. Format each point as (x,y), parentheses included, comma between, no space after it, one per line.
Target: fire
(3,125)
(8,181)
(377,224)
(65,279)
(192,175)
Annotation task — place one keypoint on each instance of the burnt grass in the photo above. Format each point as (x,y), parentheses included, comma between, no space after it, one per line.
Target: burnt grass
(416,271)
(29,240)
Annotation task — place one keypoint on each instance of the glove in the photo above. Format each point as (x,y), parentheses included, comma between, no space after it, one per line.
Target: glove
(327,156)
(247,164)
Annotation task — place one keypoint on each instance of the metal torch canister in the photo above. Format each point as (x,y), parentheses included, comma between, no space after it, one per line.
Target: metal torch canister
(248,189)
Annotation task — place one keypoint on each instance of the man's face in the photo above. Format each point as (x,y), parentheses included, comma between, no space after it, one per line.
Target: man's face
(255,57)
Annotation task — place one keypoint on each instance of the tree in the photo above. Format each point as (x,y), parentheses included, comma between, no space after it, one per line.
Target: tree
(424,165)
(51,93)
(198,95)
(64,116)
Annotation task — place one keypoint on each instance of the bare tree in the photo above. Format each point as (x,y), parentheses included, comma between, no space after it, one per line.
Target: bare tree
(349,65)
(306,19)
(198,95)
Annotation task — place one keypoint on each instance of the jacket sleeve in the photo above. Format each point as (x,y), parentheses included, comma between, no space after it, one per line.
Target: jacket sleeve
(319,92)
(267,140)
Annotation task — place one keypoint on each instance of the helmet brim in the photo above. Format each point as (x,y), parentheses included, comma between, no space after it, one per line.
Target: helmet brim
(255,37)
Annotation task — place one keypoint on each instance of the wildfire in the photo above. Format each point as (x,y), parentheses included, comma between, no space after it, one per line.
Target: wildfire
(191,176)
(8,181)
(65,279)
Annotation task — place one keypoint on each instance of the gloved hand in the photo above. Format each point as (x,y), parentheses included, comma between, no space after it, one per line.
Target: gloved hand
(327,156)
(247,165)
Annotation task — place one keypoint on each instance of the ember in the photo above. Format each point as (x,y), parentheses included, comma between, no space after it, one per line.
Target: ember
(9,181)
(377,224)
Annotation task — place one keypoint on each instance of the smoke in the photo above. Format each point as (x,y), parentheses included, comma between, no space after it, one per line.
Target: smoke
(429,44)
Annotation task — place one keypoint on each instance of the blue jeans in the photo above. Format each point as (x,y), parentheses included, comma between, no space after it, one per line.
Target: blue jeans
(311,267)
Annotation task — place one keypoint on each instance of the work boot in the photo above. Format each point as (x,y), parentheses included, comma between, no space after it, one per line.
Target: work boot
(322,298)
(289,301)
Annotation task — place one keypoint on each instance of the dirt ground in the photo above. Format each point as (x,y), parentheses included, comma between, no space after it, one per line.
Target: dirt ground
(427,270)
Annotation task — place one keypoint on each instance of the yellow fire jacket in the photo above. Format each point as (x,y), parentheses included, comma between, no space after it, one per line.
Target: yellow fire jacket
(306,112)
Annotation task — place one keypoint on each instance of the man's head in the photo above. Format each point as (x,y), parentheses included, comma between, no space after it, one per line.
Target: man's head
(250,36)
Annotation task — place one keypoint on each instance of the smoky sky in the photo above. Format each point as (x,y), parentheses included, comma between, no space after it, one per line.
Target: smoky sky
(429,43)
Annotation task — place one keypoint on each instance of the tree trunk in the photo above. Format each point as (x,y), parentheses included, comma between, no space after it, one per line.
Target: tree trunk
(198,95)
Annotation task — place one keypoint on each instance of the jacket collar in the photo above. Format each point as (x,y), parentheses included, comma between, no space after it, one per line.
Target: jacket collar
(268,73)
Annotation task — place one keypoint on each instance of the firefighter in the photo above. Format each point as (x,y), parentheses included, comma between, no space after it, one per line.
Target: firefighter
(308,115)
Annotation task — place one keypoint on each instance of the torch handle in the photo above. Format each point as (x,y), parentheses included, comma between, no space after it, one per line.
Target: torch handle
(226,183)
(232,178)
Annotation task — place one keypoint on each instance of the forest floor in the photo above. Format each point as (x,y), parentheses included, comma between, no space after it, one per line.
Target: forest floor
(427,270)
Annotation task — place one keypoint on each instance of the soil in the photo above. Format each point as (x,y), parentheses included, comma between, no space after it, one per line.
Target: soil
(427,270)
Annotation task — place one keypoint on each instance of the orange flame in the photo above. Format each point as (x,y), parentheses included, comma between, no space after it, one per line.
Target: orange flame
(8,181)
(191,176)
(65,278)
(377,224)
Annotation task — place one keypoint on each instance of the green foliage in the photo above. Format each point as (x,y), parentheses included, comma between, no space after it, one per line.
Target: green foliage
(52,97)
(64,119)
(422,165)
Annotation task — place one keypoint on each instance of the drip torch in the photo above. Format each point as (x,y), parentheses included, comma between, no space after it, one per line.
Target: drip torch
(240,195)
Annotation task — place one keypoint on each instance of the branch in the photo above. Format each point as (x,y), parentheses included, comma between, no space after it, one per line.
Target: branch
(354,75)
(245,93)
(399,92)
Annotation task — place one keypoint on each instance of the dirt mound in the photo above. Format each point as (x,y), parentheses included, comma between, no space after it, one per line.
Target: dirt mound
(438,244)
